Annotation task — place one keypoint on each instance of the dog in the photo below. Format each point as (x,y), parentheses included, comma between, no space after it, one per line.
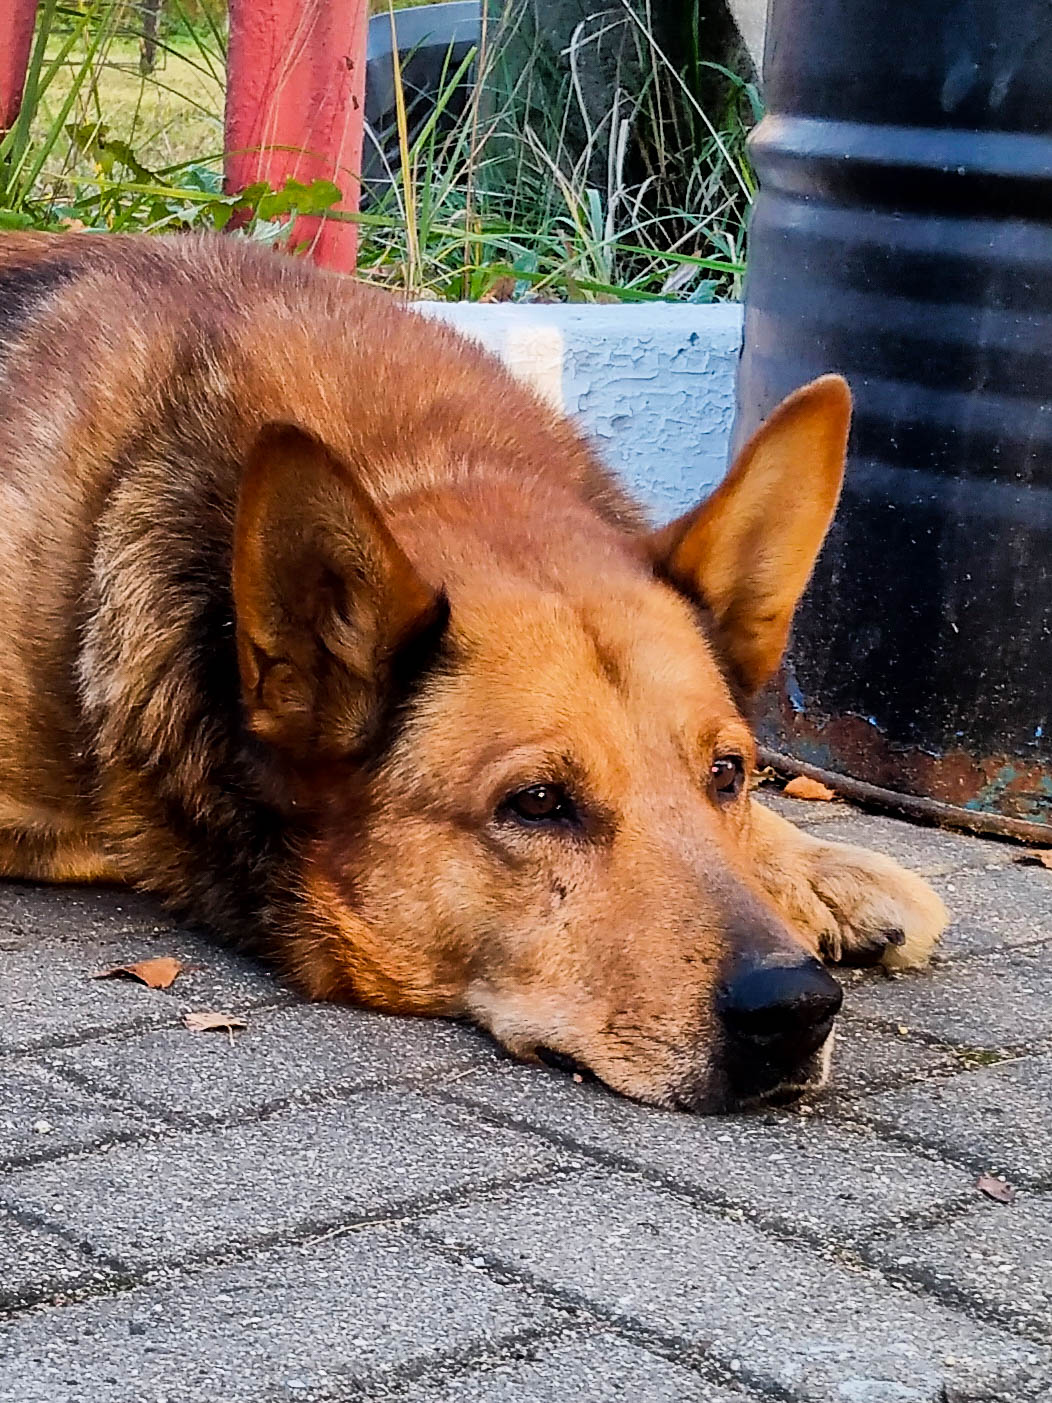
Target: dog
(327,631)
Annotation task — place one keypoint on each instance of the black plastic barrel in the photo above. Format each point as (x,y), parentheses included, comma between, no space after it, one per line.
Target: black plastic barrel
(432,42)
(902,235)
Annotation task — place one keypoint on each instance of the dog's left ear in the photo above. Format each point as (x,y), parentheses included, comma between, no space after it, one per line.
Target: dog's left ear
(747,552)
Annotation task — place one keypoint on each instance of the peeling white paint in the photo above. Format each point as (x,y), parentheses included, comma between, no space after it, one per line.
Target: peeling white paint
(652,384)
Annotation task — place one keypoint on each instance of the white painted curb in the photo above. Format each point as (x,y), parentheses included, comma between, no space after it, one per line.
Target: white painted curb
(651,383)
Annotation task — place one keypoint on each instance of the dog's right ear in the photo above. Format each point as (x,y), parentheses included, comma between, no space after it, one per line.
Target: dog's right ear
(326,600)
(746,552)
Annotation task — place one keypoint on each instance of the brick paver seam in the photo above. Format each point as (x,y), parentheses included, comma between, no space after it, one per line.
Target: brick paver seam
(850,1253)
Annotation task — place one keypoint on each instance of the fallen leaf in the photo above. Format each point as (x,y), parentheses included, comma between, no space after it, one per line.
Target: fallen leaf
(803,788)
(995,1188)
(213,1022)
(160,973)
(1036,857)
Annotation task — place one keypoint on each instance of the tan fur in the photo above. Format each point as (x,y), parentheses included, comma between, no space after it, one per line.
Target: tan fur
(302,594)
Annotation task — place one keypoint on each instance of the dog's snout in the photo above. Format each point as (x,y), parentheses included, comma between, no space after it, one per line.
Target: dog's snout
(781,1012)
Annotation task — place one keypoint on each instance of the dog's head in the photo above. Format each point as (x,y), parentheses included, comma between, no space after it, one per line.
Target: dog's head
(515,738)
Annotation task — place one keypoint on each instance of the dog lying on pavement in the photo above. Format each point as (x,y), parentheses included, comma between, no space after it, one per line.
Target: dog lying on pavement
(327,631)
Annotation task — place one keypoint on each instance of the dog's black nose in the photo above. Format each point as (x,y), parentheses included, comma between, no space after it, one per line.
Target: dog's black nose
(781,1013)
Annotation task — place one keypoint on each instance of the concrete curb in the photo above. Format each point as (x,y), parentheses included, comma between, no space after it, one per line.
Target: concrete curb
(652,384)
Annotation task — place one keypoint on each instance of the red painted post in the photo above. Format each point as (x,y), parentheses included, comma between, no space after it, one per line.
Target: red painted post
(17,18)
(294,106)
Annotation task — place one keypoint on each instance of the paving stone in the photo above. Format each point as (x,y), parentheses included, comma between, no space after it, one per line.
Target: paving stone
(602,1369)
(999,1256)
(810,1326)
(30,913)
(193,1193)
(922,849)
(38,1265)
(283,1054)
(47,992)
(1002,1001)
(997,1119)
(295,1324)
(41,1113)
(867,1058)
(814,1176)
(803,812)
(988,914)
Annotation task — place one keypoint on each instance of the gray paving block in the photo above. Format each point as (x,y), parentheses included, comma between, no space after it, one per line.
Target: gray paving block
(296,1324)
(996,1119)
(996,910)
(37,1265)
(283,1053)
(601,1369)
(810,1326)
(866,1058)
(1000,1001)
(41,1113)
(999,1256)
(194,1193)
(807,1174)
(47,993)
(922,849)
(30,913)
(803,812)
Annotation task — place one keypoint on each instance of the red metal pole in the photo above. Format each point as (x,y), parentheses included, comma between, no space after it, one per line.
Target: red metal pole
(17,18)
(294,106)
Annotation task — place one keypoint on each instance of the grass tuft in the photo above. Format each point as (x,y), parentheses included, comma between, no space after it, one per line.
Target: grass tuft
(521,191)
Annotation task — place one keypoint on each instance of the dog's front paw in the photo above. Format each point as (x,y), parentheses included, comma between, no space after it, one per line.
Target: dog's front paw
(881,913)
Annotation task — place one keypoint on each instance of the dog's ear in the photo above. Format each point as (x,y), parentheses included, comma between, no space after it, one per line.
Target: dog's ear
(328,605)
(747,552)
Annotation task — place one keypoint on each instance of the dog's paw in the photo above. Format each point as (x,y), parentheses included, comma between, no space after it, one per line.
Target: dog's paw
(879,912)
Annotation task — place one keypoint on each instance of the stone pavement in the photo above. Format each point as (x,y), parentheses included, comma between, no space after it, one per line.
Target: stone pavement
(334,1205)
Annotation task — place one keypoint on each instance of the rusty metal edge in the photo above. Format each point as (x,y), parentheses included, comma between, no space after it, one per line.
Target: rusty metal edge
(931,811)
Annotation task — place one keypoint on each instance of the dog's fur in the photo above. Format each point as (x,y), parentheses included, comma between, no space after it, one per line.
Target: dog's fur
(301,592)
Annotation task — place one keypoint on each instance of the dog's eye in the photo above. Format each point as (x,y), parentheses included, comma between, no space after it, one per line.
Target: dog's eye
(541,803)
(727,777)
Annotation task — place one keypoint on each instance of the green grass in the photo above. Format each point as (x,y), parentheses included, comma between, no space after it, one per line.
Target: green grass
(174,116)
(502,204)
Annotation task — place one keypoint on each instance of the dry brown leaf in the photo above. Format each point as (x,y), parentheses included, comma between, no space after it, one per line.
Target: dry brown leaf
(160,973)
(209,1022)
(1036,857)
(803,788)
(995,1188)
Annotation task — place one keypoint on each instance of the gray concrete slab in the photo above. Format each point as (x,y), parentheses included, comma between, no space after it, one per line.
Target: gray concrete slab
(997,1256)
(255,1181)
(284,1054)
(300,1324)
(30,913)
(48,995)
(929,851)
(866,1059)
(804,812)
(1001,1001)
(603,1368)
(40,1265)
(995,1119)
(42,1114)
(635,1253)
(996,910)
(816,1178)
(184,1217)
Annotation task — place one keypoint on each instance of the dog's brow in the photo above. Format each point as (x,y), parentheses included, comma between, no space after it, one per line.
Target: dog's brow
(609,664)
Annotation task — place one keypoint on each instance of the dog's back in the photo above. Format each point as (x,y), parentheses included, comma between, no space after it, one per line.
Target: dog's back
(133,376)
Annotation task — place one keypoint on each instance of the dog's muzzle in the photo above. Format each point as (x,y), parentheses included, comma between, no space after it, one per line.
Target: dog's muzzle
(776,1018)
